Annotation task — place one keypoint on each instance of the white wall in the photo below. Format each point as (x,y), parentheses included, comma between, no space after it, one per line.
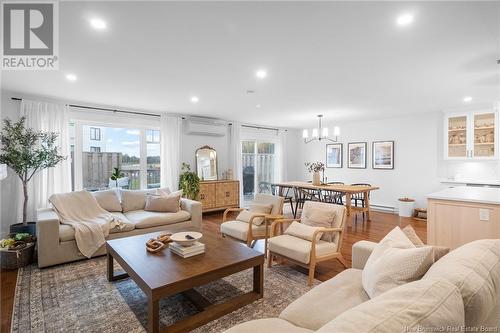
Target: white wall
(417,140)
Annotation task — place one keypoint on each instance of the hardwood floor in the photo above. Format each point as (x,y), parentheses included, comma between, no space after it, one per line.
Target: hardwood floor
(374,230)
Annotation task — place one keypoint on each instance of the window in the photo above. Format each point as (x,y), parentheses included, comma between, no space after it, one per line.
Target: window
(95,134)
(259,167)
(153,158)
(136,152)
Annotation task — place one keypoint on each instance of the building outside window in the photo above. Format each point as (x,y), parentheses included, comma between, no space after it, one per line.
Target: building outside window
(95,134)
(95,149)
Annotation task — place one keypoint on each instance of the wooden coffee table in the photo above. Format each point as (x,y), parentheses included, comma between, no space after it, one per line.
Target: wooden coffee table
(164,274)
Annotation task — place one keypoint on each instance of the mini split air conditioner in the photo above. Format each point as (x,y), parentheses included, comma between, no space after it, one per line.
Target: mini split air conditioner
(205,126)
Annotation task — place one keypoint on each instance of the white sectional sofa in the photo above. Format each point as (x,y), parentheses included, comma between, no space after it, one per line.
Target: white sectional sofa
(460,292)
(56,241)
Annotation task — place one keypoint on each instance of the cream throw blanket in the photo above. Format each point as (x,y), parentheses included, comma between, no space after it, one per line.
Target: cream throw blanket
(91,223)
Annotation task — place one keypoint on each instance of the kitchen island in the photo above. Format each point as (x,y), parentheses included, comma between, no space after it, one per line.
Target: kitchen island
(463,214)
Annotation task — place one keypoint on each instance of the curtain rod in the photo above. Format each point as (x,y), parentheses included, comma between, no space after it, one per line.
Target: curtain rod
(102,109)
(142,113)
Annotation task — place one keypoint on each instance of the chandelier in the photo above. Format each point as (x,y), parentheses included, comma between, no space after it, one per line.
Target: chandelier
(320,133)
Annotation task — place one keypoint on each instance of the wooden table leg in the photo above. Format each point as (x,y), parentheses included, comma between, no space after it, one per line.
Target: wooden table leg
(110,267)
(258,279)
(348,206)
(367,205)
(153,316)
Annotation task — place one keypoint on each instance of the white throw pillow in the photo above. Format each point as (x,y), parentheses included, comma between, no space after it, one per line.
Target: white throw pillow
(303,231)
(317,217)
(134,199)
(108,200)
(246,215)
(393,262)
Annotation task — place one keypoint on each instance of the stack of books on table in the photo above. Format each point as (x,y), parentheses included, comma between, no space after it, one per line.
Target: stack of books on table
(187,251)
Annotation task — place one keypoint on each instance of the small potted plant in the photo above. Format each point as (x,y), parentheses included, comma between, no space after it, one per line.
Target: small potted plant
(315,168)
(17,250)
(27,151)
(189,182)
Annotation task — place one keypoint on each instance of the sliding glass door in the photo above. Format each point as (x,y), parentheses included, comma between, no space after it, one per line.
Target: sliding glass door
(258,167)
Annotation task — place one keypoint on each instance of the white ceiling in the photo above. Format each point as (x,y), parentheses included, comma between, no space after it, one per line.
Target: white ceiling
(349,61)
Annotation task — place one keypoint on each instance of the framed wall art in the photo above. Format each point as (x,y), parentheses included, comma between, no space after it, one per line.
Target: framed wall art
(383,155)
(356,155)
(334,155)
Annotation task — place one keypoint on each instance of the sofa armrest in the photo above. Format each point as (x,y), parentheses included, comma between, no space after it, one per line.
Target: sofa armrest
(47,232)
(360,252)
(195,209)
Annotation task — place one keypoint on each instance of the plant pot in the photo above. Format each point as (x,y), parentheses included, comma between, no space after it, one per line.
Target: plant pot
(316,179)
(20,228)
(13,259)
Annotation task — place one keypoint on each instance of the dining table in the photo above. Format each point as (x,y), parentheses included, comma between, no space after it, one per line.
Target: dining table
(347,190)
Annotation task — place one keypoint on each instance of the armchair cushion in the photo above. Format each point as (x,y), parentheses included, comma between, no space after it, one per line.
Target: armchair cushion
(239,230)
(246,215)
(393,262)
(320,214)
(299,249)
(303,231)
(276,202)
(326,301)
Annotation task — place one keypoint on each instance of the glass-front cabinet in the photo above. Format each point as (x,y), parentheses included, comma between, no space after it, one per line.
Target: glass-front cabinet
(471,135)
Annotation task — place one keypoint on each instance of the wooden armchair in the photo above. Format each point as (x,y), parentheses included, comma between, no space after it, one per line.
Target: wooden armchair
(308,253)
(249,232)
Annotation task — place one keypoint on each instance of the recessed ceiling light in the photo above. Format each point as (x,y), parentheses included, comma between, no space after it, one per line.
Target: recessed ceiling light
(261,74)
(71,77)
(195,99)
(98,24)
(258,106)
(404,19)
(467,99)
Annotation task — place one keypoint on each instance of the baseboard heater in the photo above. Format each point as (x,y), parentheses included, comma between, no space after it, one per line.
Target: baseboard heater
(382,208)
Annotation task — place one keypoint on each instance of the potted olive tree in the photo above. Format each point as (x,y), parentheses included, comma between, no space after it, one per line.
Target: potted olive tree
(27,151)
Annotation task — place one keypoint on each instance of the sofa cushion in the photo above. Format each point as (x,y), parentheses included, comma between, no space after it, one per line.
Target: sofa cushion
(163,203)
(67,232)
(420,306)
(326,301)
(303,231)
(142,219)
(134,199)
(246,215)
(393,262)
(268,325)
(108,200)
(438,251)
(299,249)
(475,269)
(239,229)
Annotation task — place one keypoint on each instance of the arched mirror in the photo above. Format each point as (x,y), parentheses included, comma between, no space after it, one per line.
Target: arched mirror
(206,163)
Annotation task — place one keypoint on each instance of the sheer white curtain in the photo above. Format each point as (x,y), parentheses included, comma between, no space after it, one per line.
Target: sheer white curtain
(235,158)
(170,151)
(47,117)
(282,152)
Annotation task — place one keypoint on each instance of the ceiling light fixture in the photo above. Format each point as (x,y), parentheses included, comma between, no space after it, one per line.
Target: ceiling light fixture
(258,106)
(71,77)
(320,133)
(467,99)
(195,99)
(261,74)
(404,19)
(98,24)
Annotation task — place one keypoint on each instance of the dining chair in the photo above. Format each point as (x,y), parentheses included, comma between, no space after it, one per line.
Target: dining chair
(286,192)
(305,194)
(360,197)
(332,196)
(322,240)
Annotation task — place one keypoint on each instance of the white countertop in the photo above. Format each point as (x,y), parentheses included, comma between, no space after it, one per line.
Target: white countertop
(470,181)
(486,195)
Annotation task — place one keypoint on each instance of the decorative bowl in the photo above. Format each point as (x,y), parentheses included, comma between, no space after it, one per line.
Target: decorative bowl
(180,237)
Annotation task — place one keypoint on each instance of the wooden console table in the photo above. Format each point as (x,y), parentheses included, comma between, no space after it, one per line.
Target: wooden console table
(219,195)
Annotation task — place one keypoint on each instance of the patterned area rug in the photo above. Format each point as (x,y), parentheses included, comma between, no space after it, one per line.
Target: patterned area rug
(77,297)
